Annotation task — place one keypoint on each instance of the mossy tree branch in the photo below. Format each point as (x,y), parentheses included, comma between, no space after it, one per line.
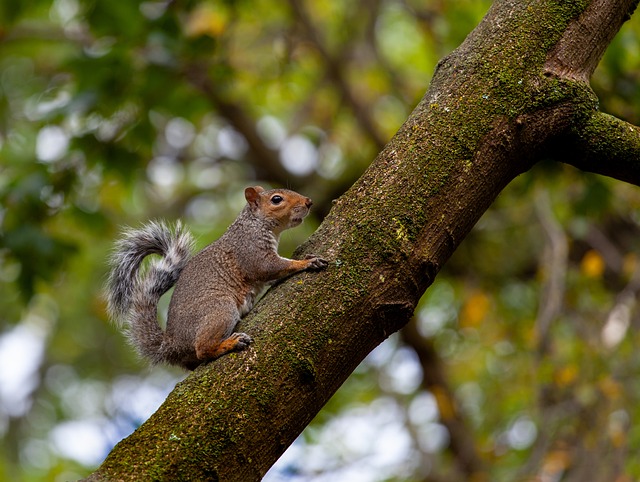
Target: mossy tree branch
(586,38)
(493,109)
(598,142)
(604,145)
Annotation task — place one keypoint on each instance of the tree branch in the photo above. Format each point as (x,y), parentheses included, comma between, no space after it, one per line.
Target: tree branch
(335,70)
(604,145)
(461,439)
(580,49)
(554,266)
(265,160)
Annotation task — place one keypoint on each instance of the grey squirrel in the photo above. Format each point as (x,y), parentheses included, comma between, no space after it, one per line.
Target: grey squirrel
(213,289)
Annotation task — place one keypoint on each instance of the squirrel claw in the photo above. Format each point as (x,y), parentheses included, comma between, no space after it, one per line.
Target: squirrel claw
(316,262)
(242,341)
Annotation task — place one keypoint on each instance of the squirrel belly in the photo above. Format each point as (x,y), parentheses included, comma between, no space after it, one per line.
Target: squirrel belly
(213,289)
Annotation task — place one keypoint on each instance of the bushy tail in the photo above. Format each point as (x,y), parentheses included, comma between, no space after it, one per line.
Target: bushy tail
(132,294)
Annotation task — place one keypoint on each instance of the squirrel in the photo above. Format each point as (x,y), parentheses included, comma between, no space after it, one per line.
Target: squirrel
(213,288)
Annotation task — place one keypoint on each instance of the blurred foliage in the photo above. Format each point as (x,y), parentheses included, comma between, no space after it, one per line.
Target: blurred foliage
(112,113)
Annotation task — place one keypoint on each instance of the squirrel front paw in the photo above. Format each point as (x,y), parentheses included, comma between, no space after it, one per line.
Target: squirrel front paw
(316,262)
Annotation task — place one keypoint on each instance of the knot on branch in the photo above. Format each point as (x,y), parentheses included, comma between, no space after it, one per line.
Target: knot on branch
(392,316)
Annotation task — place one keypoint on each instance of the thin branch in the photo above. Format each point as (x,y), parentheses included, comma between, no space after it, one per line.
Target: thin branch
(461,443)
(265,160)
(34,31)
(336,72)
(554,267)
(619,318)
(613,256)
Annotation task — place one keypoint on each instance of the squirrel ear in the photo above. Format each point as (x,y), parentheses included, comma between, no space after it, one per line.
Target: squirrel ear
(251,194)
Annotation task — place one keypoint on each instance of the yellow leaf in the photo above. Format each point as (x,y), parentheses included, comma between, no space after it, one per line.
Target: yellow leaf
(474,310)
(592,264)
(610,388)
(206,19)
(556,462)
(618,438)
(629,264)
(566,375)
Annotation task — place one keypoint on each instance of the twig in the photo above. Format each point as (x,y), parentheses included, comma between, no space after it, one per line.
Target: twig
(461,443)
(554,267)
(335,71)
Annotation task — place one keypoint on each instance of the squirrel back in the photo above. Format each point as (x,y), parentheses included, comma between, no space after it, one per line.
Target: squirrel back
(213,289)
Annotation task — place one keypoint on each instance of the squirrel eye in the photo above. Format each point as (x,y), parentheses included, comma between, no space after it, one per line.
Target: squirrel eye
(276,199)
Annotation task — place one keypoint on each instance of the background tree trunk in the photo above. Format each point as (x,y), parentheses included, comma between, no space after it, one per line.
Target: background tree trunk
(514,92)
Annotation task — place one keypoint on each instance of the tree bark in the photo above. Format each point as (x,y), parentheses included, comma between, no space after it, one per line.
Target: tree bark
(514,92)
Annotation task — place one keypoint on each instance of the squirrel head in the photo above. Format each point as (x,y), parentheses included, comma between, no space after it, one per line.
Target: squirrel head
(283,207)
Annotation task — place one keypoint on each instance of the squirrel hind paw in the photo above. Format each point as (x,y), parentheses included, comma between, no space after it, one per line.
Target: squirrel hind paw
(242,341)
(206,351)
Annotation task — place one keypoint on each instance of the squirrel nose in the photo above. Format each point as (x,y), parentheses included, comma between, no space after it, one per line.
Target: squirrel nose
(308,202)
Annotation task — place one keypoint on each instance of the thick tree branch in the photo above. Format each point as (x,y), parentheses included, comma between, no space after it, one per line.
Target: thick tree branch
(601,144)
(580,49)
(604,145)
